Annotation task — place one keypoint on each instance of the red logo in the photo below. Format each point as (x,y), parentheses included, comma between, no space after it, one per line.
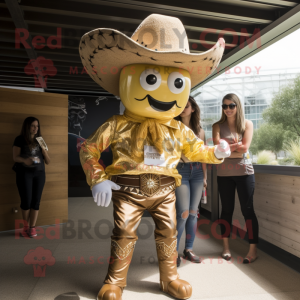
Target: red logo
(40,67)
(38,42)
(40,258)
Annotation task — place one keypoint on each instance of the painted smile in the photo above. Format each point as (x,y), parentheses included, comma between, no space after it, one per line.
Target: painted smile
(159,105)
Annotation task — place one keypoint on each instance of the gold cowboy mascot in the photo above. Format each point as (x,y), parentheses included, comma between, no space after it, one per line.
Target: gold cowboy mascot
(152,72)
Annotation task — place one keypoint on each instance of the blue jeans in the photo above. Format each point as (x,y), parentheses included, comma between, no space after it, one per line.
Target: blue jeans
(188,197)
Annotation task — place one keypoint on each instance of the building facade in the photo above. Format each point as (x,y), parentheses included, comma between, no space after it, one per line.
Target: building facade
(255,90)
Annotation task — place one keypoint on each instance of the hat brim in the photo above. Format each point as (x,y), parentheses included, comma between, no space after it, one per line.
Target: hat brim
(105,52)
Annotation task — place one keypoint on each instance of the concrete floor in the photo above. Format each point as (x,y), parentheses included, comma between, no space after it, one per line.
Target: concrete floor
(79,264)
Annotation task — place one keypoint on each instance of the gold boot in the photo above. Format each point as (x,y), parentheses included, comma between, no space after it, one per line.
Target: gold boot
(169,278)
(120,262)
(177,288)
(110,292)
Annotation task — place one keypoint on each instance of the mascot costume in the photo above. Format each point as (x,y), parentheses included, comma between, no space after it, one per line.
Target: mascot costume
(152,72)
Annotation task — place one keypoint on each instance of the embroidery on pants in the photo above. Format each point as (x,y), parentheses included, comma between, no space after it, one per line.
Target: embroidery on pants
(167,250)
(120,252)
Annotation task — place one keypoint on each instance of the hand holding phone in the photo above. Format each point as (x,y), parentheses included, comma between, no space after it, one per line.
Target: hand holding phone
(42,143)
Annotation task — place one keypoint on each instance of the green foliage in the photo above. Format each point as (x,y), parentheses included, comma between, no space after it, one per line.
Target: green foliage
(255,143)
(285,108)
(268,137)
(266,158)
(293,149)
(287,161)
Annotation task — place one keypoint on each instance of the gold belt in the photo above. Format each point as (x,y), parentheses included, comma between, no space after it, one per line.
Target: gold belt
(148,184)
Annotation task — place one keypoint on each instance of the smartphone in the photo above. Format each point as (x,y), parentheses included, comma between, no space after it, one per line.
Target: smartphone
(42,143)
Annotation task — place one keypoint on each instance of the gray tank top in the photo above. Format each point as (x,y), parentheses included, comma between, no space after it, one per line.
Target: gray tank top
(232,166)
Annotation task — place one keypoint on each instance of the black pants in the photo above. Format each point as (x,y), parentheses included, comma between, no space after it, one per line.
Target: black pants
(245,189)
(30,184)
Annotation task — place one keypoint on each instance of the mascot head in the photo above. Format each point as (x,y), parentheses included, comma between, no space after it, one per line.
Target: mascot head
(153,71)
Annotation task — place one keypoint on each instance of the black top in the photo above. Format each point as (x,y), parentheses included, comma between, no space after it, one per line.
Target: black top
(26,152)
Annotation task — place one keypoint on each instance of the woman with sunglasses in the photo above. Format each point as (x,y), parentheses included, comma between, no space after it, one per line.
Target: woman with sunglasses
(236,173)
(188,195)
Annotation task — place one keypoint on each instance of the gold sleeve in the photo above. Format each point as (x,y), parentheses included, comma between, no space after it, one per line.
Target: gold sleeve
(195,150)
(91,149)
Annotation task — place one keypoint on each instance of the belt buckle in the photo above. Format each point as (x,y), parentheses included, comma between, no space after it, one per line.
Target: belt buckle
(149,184)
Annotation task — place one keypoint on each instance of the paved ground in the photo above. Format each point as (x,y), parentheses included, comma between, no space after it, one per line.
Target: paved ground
(80,264)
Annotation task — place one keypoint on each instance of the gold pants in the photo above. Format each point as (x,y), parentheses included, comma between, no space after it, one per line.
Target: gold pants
(129,205)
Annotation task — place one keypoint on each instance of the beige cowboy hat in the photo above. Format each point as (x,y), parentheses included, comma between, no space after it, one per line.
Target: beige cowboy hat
(159,40)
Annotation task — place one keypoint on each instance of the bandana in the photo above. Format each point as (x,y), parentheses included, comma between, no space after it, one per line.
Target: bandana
(155,127)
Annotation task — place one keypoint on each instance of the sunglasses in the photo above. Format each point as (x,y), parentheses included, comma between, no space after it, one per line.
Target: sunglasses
(231,106)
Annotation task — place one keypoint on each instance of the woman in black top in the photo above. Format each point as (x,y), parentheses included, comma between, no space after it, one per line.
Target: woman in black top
(29,157)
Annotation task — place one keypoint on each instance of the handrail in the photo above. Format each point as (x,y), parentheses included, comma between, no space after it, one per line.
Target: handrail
(279,170)
(261,169)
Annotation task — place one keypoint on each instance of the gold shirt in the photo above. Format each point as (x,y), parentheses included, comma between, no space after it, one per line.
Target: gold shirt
(120,132)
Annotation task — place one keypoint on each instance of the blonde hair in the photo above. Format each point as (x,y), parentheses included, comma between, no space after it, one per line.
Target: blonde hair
(240,117)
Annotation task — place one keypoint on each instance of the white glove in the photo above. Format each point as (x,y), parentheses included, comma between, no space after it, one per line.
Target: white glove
(222,150)
(102,192)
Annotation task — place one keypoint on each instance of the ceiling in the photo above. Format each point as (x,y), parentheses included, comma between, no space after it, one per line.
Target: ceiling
(74,18)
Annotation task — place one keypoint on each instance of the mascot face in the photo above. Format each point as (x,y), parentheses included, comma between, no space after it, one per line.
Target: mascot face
(155,92)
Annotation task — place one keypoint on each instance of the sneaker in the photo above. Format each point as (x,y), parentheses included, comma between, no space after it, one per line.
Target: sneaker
(25,231)
(32,232)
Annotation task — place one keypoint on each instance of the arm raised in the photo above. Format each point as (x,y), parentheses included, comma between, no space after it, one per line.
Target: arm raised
(195,150)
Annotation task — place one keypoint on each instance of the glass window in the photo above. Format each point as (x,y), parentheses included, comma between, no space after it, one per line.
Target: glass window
(257,93)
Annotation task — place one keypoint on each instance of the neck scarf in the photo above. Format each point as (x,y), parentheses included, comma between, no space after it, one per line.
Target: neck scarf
(155,127)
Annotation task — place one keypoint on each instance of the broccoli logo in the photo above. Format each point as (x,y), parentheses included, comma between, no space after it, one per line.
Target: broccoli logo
(40,67)
(39,258)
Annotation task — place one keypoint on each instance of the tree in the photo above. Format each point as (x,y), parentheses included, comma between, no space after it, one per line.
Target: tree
(268,137)
(254,147)
(285,108)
